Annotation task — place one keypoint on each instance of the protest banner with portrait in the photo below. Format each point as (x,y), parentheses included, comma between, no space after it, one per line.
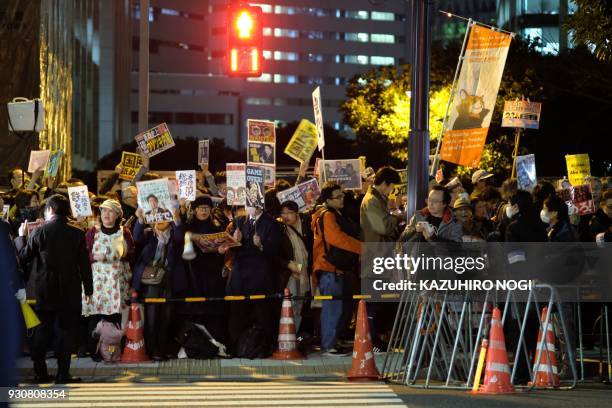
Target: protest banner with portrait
(186,180)
(310,192)
(291,194)
(261,150)
(155,140)
(4,212)
(38,160)
(212,242)
(154,199)
(578,168)
(79,201)
(303,143)
(235,177)
(526,172)
(579,199)
(203,151)
(474,99)
(130,164)
(347,173)
(255,186)
(53,165)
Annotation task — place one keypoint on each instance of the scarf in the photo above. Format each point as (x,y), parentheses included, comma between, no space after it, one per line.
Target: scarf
(163,237)
(300,256)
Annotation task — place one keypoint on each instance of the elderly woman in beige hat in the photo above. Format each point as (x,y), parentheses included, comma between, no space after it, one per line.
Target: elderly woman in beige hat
(111,248)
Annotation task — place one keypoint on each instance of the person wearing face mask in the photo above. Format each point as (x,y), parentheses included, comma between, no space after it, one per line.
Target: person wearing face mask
(204,273)
(294,256)
(253,274)
(61,271)
(525,224)
(601,222)
(111,249)
(554,213)
(158,247)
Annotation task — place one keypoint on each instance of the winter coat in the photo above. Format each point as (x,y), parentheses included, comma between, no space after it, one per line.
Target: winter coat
(377,224)
(449,230)
(334,236)
(60,266)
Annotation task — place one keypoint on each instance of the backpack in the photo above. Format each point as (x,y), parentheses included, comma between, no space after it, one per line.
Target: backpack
(253,344)
(342,259)
(109,343)
(198,343)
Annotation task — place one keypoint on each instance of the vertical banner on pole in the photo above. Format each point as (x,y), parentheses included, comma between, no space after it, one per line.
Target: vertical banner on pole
(475,95)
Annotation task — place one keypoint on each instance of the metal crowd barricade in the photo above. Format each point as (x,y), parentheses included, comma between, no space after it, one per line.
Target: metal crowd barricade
(433,344)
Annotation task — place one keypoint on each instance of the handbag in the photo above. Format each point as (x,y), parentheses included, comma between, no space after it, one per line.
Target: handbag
(153,274)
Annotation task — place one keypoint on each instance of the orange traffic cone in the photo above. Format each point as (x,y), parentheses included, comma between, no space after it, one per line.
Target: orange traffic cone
(134,351)
(364,366)
(497,371)
(544,377)
(287,343)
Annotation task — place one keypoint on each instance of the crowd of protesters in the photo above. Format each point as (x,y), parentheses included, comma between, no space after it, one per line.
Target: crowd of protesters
(81,272)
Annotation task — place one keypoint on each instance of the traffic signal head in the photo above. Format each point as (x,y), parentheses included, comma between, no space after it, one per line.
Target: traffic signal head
(245,35)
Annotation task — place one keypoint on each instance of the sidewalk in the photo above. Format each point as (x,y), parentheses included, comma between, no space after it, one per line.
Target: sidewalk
(313,367)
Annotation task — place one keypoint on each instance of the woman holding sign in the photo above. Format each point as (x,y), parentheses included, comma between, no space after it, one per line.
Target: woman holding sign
(204,272)
(111,249)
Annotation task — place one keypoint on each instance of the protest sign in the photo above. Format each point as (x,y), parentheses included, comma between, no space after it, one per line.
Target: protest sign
(262,148)
(212,242)
(579,199)
(526,172)
(79,201)
(4,212)
(303,142)
(476,91)
(203,151)
(155,140)
(31,226)
(255,186)
(362,165)
(130,164)
(318,114)
(235,177)
(344,172)
(173,188)
(401,189)
(54,162)
(186,184)
(38,160)
(291,194)
(310,192)
(521,114)
(578,168)
(154,199)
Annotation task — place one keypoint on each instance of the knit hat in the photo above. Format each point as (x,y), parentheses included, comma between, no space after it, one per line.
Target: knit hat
(112,205)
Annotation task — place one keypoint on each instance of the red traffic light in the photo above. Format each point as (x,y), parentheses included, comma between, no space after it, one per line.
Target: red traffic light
(245,35)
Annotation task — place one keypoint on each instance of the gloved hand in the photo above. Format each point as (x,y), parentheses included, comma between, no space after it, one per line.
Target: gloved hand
(20,295)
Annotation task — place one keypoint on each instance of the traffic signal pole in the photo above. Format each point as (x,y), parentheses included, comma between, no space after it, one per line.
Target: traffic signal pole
(418,140)
(143,68)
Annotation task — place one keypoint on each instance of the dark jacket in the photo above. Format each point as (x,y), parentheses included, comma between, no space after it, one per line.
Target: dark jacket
(8,259)
(146,244)
(523,228)
(252,270)
(562,231)
(599,223)
(60,266)
(204,273)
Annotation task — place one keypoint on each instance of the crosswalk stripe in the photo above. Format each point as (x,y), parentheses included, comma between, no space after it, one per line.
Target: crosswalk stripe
(221,394)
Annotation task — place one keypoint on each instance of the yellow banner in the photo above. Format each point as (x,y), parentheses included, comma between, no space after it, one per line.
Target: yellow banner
(303,142)
(578,168)
(130,164)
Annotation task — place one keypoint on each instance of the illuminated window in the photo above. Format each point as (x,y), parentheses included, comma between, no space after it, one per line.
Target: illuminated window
(267,31)
(283,32)
(382,16)
(361,37)
(376,60)
(266,8)
(265,77)
(258,101)
(356,59)
(382,38)
(285,79)
(285,56)
(360,15)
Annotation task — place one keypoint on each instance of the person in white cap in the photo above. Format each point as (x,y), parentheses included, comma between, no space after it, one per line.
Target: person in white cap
(110,248)
(480,180)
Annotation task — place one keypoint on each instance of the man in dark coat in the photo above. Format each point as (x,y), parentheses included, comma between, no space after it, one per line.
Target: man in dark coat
(60,269)
(252,272)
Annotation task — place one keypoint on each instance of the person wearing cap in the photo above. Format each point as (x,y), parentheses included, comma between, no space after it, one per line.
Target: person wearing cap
(464,213)
(203,275)
(111,249)
(480,179)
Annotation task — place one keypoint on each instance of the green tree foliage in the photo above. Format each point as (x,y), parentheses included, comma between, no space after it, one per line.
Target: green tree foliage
(591,26)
